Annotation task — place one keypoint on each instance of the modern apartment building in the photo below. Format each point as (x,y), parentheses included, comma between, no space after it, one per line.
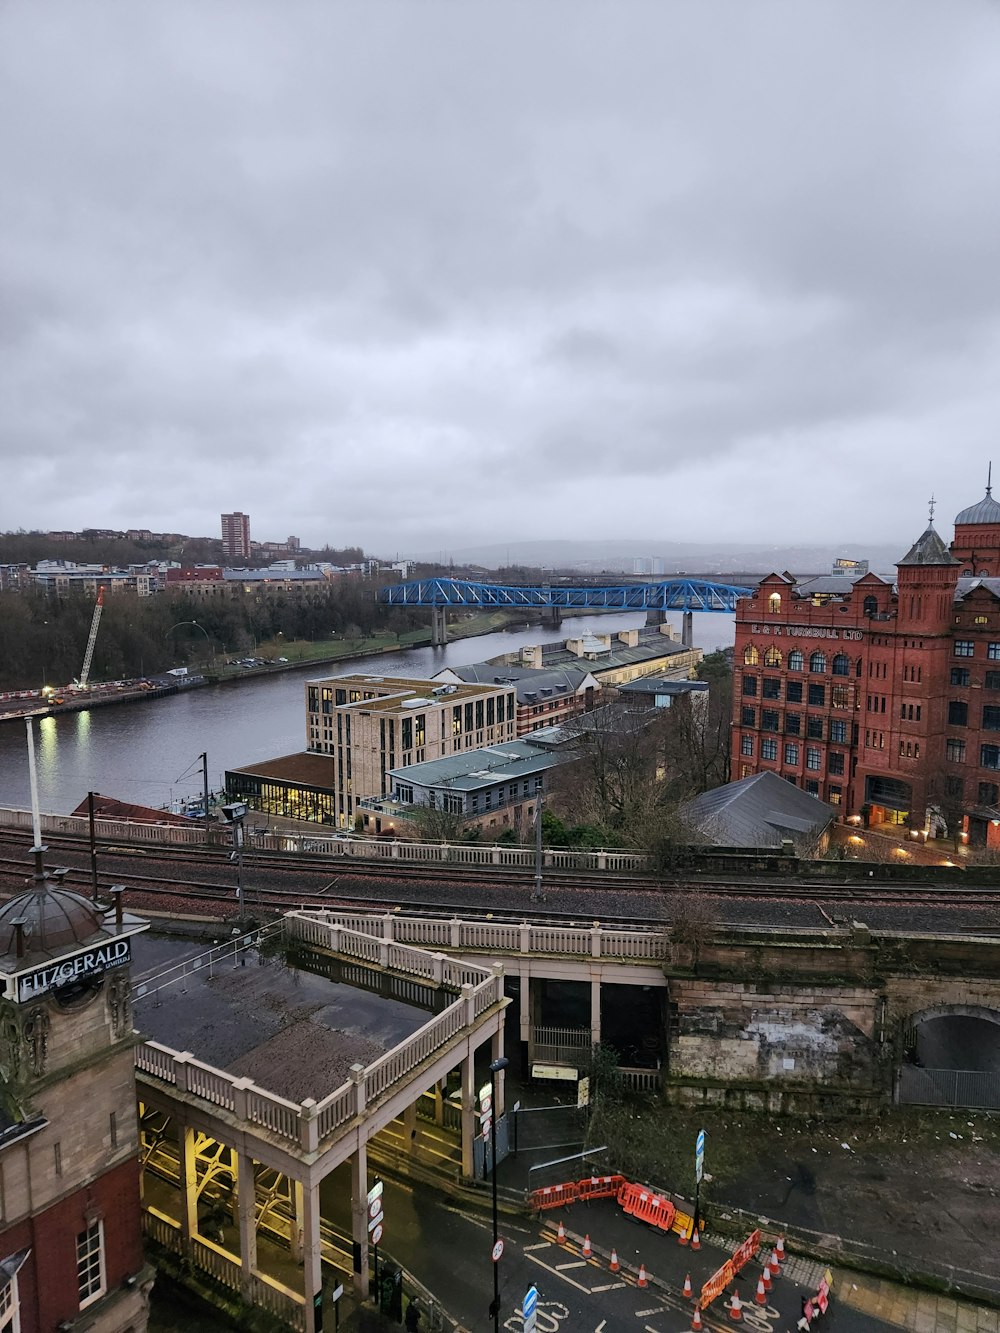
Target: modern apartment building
(882,699)
(236,536)
(370,725)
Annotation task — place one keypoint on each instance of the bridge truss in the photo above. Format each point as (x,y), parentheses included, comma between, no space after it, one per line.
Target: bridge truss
(667,595)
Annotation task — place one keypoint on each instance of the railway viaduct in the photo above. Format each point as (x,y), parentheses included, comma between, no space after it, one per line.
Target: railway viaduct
(753,1017)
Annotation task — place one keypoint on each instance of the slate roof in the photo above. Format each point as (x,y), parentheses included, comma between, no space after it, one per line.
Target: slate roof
(530,683)
(928,549)
(475,770)
(758,811)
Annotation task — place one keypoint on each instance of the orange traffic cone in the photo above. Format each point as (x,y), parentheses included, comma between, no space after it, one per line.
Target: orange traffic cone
(614,1261)
(687,1287)
(561,1238)
(761,1296)
(586,1247)
(779,1249)
(773,1265)
(695,1239)
(642,1276)
(683,1236)
(696,1323)
(765,1276)
(735,1308)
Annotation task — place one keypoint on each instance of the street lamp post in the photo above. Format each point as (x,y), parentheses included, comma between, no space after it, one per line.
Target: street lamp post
(208,637)
(496,1067)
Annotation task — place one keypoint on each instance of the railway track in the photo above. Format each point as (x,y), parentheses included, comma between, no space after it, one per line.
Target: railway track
(277,881)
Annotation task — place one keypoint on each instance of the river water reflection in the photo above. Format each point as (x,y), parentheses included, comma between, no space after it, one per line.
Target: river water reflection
(148,751)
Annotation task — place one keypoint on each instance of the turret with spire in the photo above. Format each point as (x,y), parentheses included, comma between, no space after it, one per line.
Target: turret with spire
(977,535)
(926,580)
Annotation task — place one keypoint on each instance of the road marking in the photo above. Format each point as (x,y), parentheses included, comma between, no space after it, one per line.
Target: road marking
(580,1263)
(545,1245)
(644,1314)
(600,1326)
(611,1286)
(555,1273)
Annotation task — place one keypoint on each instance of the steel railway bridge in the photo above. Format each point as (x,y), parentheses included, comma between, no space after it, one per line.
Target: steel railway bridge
(656,599)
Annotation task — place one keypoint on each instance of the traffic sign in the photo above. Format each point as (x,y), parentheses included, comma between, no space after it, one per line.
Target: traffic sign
(699,1157)
(529,1310)
(376,1233)
(376,1191)
(498,1251)
(485,1111)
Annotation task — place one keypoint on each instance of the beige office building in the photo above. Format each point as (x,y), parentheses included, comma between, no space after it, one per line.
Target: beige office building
(369,725)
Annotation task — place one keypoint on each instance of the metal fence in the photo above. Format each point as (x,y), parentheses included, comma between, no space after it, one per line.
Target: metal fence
(973,1088)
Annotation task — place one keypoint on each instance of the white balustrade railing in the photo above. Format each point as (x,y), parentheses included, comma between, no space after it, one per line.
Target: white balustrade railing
(212,1259)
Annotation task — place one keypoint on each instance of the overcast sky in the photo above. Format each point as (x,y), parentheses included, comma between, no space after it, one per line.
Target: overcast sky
(416,275)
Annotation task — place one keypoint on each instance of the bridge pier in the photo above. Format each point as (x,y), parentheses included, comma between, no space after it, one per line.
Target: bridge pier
(687,629)
(656,617)
(439,626)
(552,616)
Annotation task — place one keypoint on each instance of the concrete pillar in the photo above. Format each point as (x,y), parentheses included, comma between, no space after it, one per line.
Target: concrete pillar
(359,1217)
(524,1005)
(295,1238)
(468,1112)
(595,1010)
(439,626)
(411,1127)
(188,1187)
(496,1053)
(687,629)
(656,617)
(247,1199)
(312,1253)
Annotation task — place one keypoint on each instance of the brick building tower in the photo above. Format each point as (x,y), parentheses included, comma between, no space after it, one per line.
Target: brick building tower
(882,698)
(70,1237)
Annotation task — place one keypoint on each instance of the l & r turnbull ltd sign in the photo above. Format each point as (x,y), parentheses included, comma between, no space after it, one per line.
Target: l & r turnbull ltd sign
(78,967)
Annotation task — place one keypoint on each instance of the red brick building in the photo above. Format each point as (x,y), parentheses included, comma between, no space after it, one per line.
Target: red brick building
(882,698)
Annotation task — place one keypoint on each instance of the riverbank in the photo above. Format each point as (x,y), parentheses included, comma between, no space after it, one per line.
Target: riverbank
(298,655)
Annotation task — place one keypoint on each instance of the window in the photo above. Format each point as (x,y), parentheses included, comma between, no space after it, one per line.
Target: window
(838,732)
(993,652)
(958,713)
(772,657)
(793,724)
(751,657)
(841,665)
(746,745)
(774,603)
(960,675)
(834,794)
(10,1308)
(870,606)
(768,749)
(793,691)
(811,786)
(817,663)
(749,685)
(989,756)
(954,787)
(989,793)
(769,719)
(956,751)
(814,758)
(796,662)
(814,728)
(963,647)
(981,620)
(835,762)
(992,680)
(991,718)
(817,695)
(90,1263)
(748,716)
(840,696)
(404,794)
(771,687)
(791,754)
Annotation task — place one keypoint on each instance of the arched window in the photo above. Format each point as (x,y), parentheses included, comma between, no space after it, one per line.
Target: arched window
(841,665)
(772,657)
(751,657)
(796,662)
(774,603)
(817,663)
(870,605)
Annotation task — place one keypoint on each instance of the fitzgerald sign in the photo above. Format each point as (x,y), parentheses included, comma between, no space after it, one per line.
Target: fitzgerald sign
(79,967)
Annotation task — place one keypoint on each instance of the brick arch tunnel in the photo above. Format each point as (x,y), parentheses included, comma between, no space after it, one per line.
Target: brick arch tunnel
(951,1057)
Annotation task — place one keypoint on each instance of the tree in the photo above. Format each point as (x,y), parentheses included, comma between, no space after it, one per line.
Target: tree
(432,824)
(692,919)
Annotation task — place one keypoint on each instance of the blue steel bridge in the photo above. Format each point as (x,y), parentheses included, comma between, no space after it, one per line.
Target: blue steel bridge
(685,595)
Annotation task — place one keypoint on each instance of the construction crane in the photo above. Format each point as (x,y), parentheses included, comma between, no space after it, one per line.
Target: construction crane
(88,656)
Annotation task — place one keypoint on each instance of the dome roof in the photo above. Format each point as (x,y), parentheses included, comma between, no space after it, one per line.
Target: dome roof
(54,920)
(986,511)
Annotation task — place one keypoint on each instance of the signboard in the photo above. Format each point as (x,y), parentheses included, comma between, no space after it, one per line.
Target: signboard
(583,1093)
(90,963)
(376,1217)
(498,1251)
(699,1156)
(561,1072)
(486,1110)
(529,1309)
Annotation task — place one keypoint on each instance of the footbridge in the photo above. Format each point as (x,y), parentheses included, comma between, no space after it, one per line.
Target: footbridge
(685,595)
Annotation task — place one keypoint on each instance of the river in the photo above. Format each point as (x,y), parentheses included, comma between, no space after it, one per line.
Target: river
(147,752)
